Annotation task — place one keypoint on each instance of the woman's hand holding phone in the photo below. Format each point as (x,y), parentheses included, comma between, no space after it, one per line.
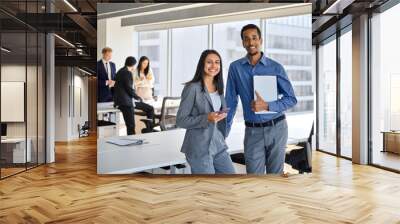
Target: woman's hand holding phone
(215,117)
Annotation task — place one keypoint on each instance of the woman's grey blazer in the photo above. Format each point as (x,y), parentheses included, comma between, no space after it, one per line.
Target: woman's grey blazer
(192,115)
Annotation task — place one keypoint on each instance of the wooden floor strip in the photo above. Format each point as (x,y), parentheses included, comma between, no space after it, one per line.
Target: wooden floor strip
(70,191)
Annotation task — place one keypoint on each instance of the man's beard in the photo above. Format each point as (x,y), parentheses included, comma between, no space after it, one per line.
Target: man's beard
(252,54)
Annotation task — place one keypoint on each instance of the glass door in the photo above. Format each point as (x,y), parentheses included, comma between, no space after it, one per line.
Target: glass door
(346,93)
(327,96)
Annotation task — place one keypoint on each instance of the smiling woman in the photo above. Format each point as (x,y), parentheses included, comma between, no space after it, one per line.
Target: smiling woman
(204,143)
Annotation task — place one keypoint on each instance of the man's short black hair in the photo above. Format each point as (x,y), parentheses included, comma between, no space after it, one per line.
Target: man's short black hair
(130,61)
(250,26)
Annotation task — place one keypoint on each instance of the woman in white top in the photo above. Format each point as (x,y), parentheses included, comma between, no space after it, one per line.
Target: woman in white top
(144,83)
(144,79)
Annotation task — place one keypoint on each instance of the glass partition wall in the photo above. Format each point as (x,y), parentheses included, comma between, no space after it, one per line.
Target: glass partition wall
(327,79)
(334,98)
(22,77)
(334,117)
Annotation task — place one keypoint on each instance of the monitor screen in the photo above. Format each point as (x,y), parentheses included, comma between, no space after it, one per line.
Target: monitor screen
(3,129)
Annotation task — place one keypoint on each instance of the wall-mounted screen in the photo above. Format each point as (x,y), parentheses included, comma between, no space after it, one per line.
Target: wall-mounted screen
(12,101)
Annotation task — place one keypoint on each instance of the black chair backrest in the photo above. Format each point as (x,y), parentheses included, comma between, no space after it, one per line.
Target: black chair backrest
(309,140)
(169,109)
(86,125)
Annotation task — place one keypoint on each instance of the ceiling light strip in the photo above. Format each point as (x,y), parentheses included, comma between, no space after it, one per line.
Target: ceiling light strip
(5,50)
(64,40)
(70,5)
(86,72)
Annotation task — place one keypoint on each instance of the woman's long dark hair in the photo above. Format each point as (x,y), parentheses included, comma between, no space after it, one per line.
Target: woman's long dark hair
(139,68)
(199,74)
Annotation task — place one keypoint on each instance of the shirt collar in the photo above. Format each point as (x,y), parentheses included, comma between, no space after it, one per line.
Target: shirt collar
(104,61)
(263,60)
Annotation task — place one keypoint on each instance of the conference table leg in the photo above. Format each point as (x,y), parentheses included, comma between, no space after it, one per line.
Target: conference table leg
(172,168)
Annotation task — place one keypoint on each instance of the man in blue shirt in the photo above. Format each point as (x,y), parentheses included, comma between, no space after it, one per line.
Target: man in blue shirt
(266,134)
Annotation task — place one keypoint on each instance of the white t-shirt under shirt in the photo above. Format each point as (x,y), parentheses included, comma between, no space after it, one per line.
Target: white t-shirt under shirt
(107,67)
(216,101)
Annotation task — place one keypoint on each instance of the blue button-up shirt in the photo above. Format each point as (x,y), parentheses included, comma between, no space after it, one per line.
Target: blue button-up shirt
(240,82)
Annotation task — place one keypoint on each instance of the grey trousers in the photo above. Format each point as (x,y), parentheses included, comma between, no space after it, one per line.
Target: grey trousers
(264,148)
(217,161)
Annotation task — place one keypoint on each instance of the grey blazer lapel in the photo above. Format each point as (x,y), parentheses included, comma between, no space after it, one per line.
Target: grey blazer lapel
(205,92)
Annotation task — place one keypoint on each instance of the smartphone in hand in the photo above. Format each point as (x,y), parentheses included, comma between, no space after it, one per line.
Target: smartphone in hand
(224,110)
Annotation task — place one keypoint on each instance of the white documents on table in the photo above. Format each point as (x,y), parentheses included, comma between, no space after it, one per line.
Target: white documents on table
(124,141)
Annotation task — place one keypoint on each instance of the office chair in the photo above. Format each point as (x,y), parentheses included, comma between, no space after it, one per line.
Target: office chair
(169,109)
(84,130)
(300,159)
(166,120)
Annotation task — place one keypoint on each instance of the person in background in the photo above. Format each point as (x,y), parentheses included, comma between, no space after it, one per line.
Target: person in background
(202,113)
(144,84)
(144,79)
(105,76)
(266,134)
(124,93)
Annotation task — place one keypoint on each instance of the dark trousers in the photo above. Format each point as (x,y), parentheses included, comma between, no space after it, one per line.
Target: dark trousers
(148,109)
(128,112)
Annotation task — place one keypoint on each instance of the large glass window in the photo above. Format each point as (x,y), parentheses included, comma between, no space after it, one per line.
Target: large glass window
(187,45)
(288,41)
(385,84)
(346,94)
(153,44)
(327,96)
(228,43)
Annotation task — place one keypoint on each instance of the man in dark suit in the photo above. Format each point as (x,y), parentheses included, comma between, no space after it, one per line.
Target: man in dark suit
(124,92)
(105,76)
